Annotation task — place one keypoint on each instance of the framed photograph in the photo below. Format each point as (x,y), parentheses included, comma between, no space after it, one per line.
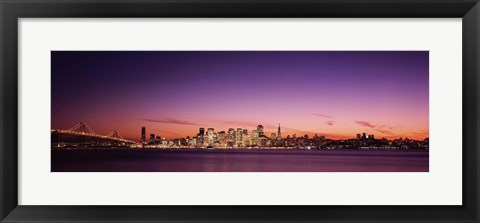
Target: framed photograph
(268,111)
(192,111)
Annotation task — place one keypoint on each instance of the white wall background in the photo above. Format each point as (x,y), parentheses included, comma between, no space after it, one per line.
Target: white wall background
(441,186)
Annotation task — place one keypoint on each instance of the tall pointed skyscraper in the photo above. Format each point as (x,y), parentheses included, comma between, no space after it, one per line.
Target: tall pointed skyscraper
(279,134)
(144,137)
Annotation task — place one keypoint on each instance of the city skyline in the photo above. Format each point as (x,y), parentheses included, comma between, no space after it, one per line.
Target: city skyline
(258,138)
(82,136)
(145,135)
(173,93)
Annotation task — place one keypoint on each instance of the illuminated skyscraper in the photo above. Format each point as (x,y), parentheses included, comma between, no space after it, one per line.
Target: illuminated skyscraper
(231,133)
(152,138)
(201,133)
(199,141)
(239,137)
(246,138)
(273,139)
(254,137)
(144,137)
(260,130)
(221,138)
(279,134)
(231,137)
(210,133)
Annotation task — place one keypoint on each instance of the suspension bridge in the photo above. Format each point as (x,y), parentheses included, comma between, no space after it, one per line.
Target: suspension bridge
(81,135)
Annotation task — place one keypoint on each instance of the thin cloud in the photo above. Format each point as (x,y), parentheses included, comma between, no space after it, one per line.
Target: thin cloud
(170,121)
(322,115)
(385,127)
(330,123)
(365,123)
(386,132)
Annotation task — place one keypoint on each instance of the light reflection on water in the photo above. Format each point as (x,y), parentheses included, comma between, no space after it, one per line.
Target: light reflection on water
(191,160)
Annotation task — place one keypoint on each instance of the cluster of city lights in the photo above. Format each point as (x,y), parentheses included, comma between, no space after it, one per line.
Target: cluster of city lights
(81,136)
(241,138)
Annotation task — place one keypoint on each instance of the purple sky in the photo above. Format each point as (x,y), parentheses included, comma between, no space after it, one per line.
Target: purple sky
(173,93)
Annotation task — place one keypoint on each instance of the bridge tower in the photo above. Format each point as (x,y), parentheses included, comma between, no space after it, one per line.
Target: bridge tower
(83,128)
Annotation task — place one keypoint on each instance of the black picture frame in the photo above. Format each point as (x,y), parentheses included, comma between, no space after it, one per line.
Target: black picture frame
(12,10)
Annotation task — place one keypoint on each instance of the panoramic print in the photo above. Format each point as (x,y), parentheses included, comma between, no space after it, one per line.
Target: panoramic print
(240,111)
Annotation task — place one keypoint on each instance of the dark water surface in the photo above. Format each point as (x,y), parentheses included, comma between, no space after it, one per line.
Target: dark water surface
(196,160)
